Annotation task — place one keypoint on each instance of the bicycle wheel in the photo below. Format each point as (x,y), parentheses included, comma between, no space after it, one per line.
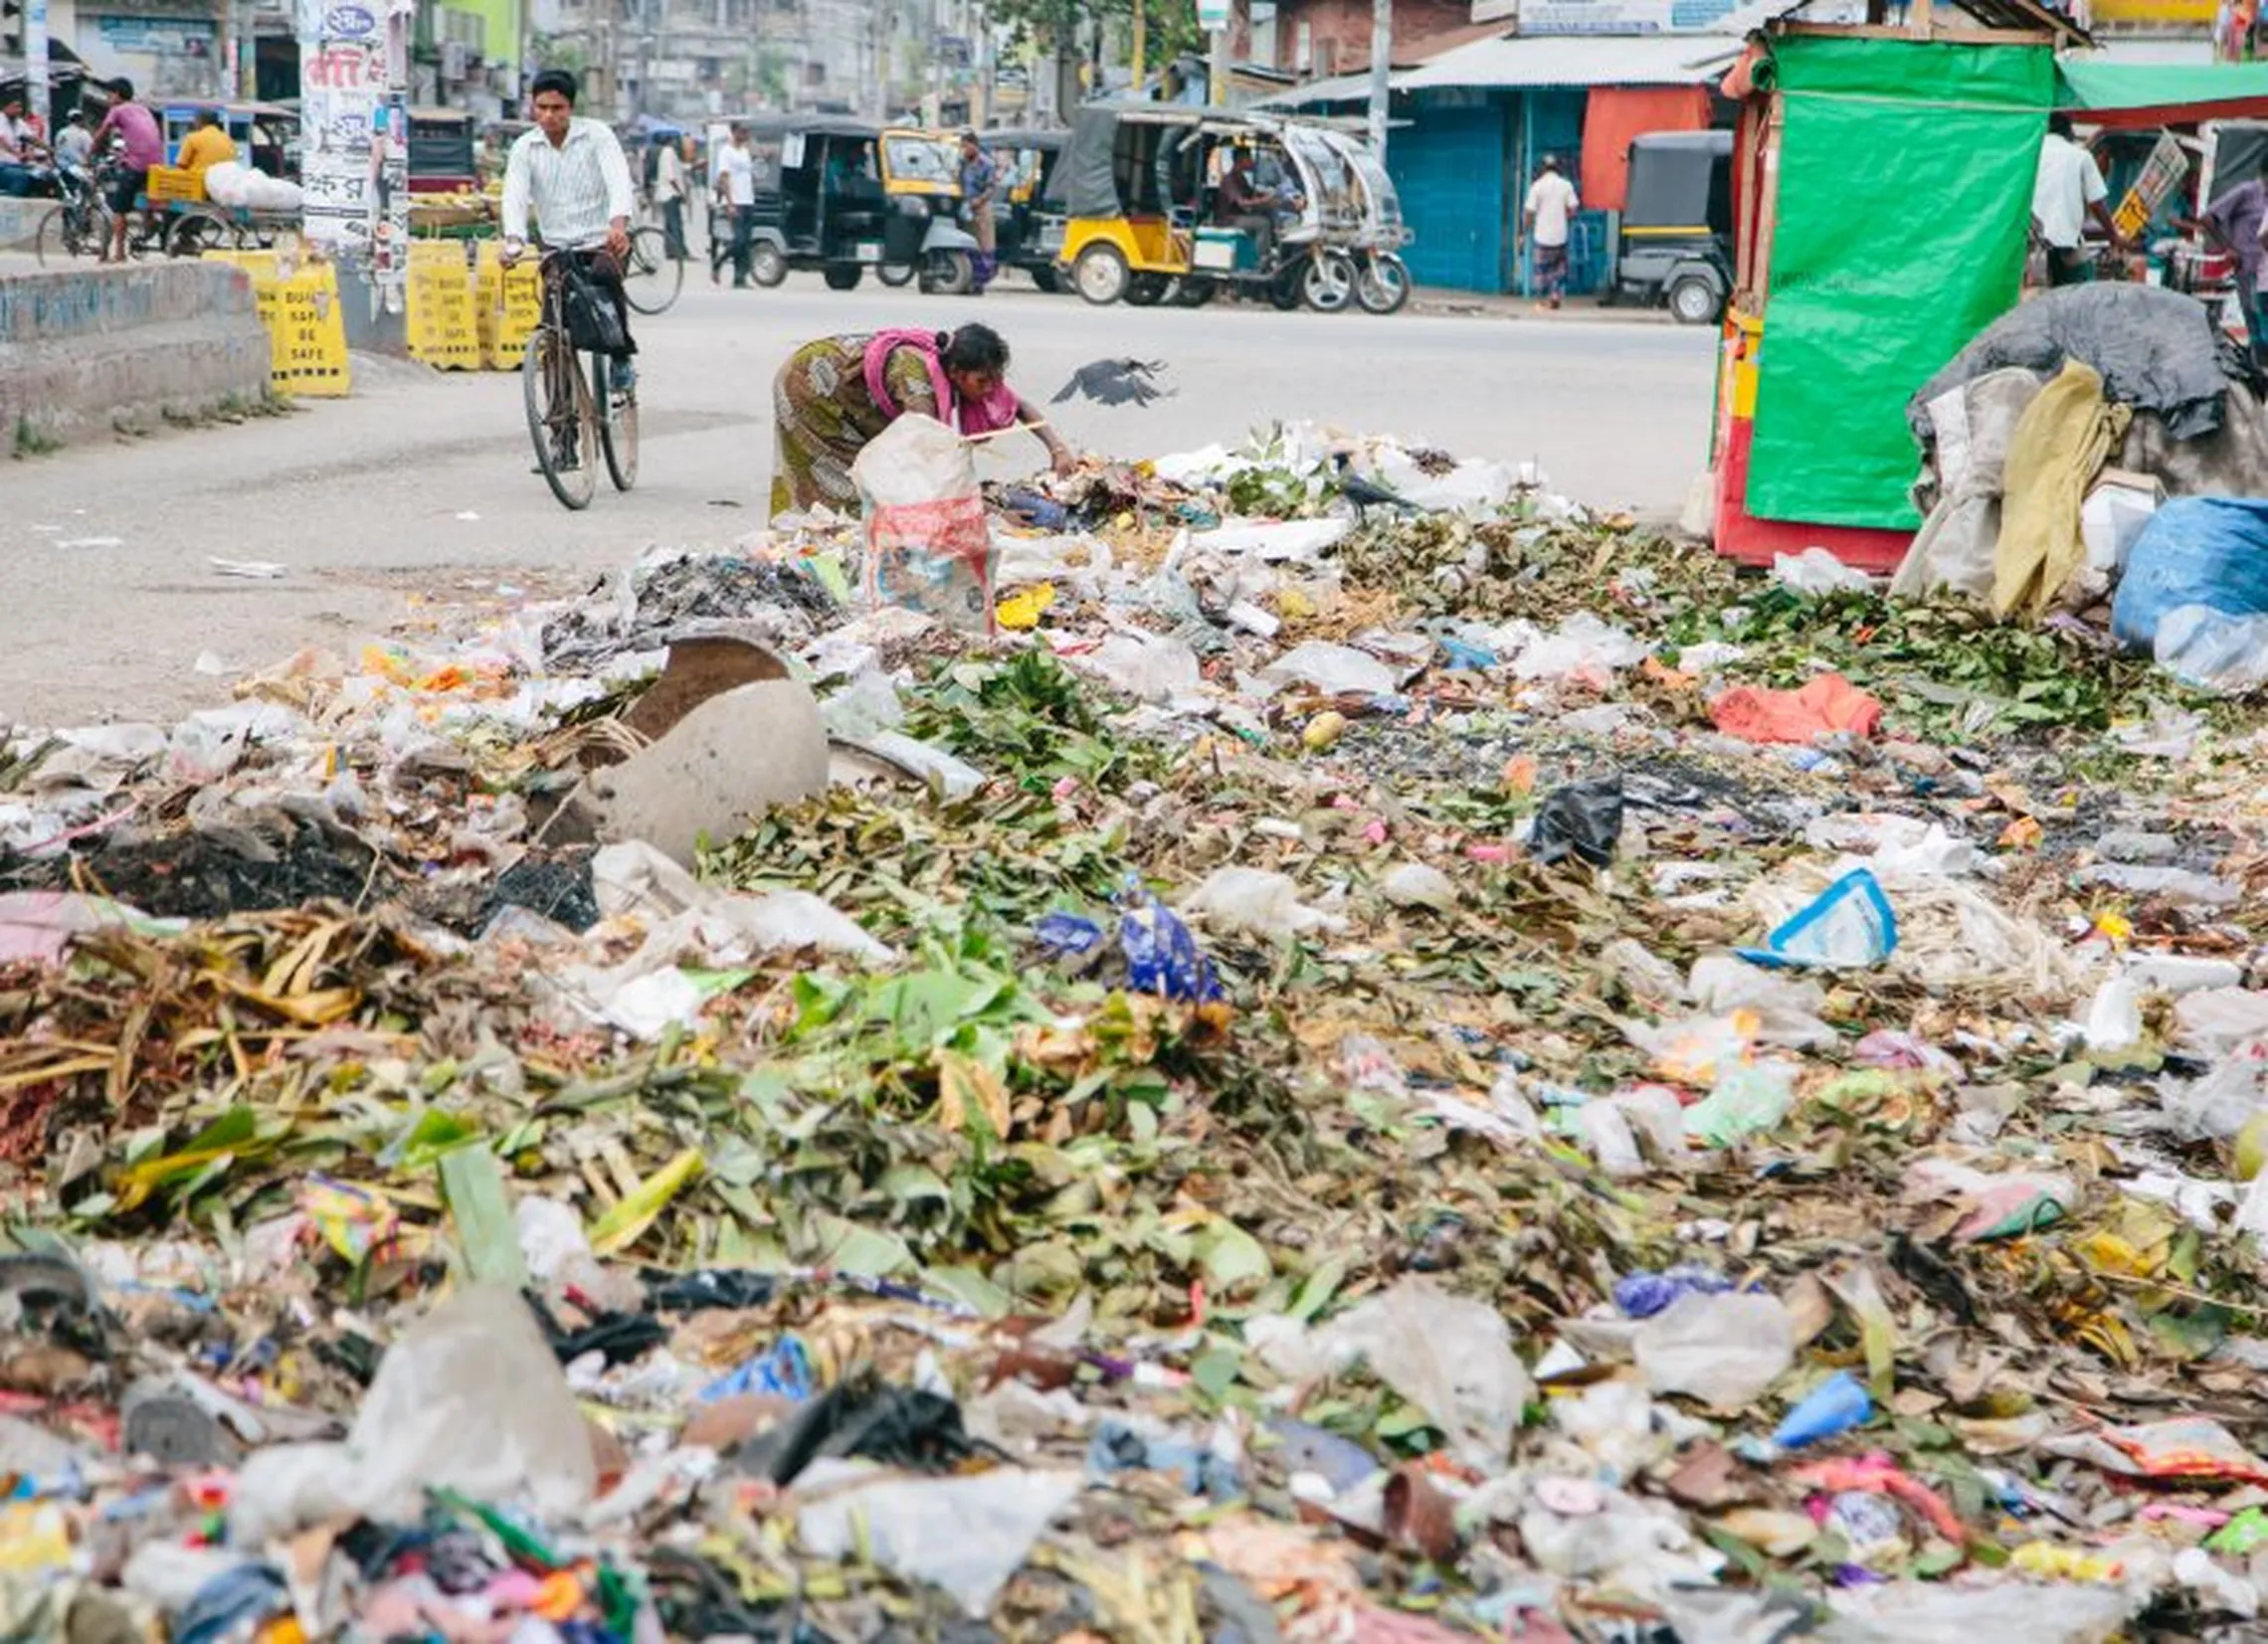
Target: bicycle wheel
(562,422)
(653,278)
(197,232)
(617,426)
(64,235)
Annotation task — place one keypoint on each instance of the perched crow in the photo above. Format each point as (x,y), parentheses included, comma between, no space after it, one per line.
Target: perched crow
(1115,383)
(1367,494)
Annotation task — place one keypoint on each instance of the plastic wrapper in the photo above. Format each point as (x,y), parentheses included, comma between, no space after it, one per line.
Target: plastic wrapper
(966,1535)
(1161,956)
(1850,926)
(1450,1357)
(1583,820)
(1724,1349)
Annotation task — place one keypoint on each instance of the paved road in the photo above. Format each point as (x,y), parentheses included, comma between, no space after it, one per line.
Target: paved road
(419,486)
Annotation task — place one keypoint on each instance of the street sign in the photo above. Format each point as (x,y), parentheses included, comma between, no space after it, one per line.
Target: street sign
(1212,15)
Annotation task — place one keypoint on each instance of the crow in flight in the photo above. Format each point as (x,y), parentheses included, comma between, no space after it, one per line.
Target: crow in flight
(1115,383)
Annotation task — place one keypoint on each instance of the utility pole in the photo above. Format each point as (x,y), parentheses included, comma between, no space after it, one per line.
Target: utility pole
(1380,68)
(1140,39)
(36,65)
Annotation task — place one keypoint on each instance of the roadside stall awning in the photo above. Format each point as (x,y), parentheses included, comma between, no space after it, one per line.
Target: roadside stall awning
(2143,93)
(1569,60)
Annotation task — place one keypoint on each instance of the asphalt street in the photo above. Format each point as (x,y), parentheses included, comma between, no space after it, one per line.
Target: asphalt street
(418,487)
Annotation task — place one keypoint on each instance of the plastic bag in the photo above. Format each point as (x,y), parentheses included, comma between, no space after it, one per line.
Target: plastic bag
(1748,1098)
(2196,550)
(1254,900)
(2212,650)
(1849,926)
(592,322)
(1723,1349)
(1337,669)
(966,1535)
(1584,819)
(1161,956)
(927,545)
(1450,1357)
(1815,571)
(1581,648)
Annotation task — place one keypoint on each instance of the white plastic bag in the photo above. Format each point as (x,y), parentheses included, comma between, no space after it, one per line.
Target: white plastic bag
(1723,1349)
(927,545)
(1450,1357)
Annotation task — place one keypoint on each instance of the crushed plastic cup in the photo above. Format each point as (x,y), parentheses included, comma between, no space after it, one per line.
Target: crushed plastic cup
(1835,1406)
(1848,926)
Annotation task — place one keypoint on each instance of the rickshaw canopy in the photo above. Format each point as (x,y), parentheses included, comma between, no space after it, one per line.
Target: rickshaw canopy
(1680,180)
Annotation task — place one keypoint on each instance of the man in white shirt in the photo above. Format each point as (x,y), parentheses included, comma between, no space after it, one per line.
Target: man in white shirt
(74,144)
(670,193)
(573,173)
(19,147)
(1551,204)
(2067,191)
(736,192)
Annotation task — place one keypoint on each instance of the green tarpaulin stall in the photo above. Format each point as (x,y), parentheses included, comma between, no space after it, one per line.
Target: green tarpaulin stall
(2102,92)
(1903,207)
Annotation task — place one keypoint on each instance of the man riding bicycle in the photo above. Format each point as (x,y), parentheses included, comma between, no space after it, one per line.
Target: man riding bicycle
(574,173)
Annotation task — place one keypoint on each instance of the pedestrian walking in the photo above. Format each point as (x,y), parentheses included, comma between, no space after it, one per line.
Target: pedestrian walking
(837,393)
(980,180)
(670,192)
(736,192)
(2067,190)
(1552,203)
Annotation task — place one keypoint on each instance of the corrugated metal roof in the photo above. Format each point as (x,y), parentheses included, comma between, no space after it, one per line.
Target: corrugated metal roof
(1569,60)
(1316,93)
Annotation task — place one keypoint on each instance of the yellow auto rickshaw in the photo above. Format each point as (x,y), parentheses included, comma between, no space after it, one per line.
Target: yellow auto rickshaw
(1140,191)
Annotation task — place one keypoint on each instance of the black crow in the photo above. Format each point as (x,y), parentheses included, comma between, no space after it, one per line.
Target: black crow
(1367,494)
(1115,383)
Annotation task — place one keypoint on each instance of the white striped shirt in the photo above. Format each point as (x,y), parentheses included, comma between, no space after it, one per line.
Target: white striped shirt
(577,188)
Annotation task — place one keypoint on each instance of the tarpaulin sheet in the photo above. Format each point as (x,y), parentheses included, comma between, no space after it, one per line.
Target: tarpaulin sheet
(2150,93)
(1906,173)
(1615,114)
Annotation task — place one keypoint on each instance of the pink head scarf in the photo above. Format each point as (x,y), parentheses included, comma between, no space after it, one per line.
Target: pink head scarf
(996,410)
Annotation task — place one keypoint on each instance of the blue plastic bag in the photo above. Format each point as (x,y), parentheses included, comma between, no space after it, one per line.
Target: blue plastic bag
(1161,956)
(2196,550)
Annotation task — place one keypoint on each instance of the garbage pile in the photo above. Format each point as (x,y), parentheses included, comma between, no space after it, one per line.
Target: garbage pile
(2086,459)
(1359,1053)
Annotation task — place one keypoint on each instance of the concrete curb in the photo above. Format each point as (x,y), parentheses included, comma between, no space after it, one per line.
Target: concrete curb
(20,221)
(86,351)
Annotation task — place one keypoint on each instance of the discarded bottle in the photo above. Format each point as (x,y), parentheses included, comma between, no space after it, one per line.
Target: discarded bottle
(1835,1406)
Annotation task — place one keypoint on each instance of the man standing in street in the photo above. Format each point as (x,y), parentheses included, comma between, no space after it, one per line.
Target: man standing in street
(669,195)
(736,192)
(2233,224)
(573,173)
(2067,191)
(1552,203)
(144,148)
(979,180)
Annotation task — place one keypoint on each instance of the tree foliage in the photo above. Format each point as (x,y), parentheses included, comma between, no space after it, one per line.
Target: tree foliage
(1170,26)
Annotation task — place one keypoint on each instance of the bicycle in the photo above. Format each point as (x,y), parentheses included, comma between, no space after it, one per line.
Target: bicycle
(573,418)
(83,224)
(653,278)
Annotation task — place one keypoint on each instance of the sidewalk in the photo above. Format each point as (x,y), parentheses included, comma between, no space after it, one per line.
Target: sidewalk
(1579,310)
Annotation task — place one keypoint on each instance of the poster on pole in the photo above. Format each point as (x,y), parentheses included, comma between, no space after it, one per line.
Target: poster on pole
(343,86)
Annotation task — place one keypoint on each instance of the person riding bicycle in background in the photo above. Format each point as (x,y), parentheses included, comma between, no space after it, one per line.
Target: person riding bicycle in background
(142,147)
(574,173)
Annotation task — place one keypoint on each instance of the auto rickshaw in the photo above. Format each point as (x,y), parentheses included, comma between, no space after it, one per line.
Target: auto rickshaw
(1381,278)
(840,196)
(1028,231)
(1140,192)
(1674,243)
(444,156)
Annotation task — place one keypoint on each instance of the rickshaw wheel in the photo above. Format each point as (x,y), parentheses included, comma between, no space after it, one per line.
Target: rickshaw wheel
(1102,276)
(840,278)
(1148,290)
(1693,302)
(948,274)
(1381,283)
(1048,280)
(894,274)
(1328,281)
(1196,294)
(767,265)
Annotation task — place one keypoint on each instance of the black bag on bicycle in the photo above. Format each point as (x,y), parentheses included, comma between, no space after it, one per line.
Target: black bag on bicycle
(593,325)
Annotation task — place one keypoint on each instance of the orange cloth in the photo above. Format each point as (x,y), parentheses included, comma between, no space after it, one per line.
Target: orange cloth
(1828,703)
(1617,113)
